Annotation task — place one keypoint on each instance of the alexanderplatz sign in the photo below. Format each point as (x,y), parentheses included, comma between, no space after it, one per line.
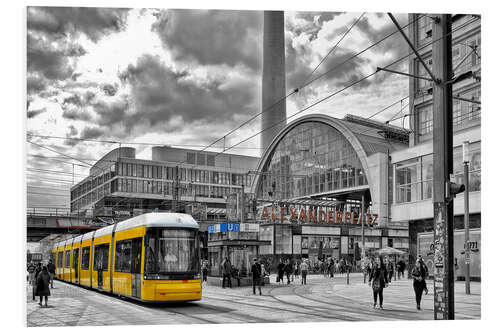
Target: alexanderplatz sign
(316,216)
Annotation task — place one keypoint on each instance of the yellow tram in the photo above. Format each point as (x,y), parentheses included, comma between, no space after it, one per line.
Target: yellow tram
(153,257)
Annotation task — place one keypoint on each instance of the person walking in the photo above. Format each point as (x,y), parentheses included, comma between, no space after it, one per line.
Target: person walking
(390,268)
(296,269)
(303,270)
(204,270)
(281,271)
(31,272)
(42,285)
(256,276)
(331,267)
(288,270)
(378,281)
(418,274)
(52,270)
(38,269)
(226,273)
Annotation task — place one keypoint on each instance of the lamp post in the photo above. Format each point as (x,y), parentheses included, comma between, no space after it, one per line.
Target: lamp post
(465,158)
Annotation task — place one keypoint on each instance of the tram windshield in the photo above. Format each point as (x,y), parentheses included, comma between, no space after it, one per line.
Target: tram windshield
(171,251)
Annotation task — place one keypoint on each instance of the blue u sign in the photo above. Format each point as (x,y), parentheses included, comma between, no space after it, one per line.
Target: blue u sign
(211,229)
(234,227)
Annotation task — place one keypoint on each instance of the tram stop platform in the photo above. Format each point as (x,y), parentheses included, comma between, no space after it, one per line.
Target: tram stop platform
(244,281)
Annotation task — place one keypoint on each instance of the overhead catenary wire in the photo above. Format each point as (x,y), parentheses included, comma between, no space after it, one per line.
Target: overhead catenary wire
(356,82)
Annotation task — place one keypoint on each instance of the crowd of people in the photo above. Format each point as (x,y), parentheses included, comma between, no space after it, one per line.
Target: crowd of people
(41,278)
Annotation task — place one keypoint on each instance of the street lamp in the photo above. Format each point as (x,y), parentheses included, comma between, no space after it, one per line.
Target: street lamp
(465,158)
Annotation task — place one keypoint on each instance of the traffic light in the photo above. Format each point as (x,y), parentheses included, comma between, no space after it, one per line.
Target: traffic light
(452,189)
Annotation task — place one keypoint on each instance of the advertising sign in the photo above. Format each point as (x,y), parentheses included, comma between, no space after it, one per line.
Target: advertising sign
(425,248)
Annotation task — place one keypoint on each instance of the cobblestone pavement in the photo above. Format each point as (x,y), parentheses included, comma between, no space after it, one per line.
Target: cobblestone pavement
(322,299)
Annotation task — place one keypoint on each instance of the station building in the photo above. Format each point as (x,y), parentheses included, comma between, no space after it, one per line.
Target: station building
(325,169)
(121,185)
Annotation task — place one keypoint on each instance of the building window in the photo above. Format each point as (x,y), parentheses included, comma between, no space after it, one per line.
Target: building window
(474,166)
(211,160)
(191,158)
(425,119)
(408,181)
(200,159)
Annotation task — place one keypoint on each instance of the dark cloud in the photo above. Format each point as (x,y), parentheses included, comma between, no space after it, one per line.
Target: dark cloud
(35,84)
(212,36)
(92,132)
(44,59)
(160,93)
(34,113)
(109,89)
(76,114)
(73,21)
(79,99)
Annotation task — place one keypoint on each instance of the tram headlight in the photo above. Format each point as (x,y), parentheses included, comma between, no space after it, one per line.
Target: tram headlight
(197,276)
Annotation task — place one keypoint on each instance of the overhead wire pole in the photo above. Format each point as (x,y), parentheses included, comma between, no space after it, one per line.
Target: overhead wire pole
(444,282)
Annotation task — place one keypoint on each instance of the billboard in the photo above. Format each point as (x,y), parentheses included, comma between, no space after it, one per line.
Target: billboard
(425,248)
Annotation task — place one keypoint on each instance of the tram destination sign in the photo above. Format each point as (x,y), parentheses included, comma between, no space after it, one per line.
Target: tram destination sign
(292,214)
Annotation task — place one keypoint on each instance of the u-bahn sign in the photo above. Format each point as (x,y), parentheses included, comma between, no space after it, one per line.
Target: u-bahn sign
(315,216)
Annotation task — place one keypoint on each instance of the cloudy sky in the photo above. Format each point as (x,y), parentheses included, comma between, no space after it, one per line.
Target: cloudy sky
(182,77)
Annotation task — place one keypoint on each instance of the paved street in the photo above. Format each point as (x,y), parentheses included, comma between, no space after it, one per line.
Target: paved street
(323,299)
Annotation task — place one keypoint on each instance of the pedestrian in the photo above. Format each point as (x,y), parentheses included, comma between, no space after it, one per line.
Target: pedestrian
(31,272)
(403,268)
(419,285)
(296,269)
(426,273)
(52,270)
(226,273)
(204,270)
(281,271)
(256,275)
(38,269)
(331,267)
(42,285)
(378,281)
(303,270)
(390,268)
(288,270)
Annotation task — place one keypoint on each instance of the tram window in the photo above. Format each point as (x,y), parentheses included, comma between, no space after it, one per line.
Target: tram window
(67,259)
(60,259)
(101,254)
(86,257)
(136,255)
(122,257)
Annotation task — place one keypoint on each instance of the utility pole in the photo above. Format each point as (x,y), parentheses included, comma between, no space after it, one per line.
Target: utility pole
(465,154)
(444,298)
(363,236)
(176,190)
(242,203)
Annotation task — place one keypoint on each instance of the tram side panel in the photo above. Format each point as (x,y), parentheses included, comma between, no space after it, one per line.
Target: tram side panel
(67,262)
(76,263)
(85,262)
(127,262)
(100,266)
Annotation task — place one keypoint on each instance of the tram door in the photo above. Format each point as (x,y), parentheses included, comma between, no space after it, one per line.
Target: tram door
(75,264)
(136,267)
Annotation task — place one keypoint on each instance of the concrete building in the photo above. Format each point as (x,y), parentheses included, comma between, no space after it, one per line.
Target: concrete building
(412,172)
(120,185)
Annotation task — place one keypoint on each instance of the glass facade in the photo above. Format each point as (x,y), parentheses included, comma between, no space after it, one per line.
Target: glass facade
(157,180)
(312,158)
(413,178)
